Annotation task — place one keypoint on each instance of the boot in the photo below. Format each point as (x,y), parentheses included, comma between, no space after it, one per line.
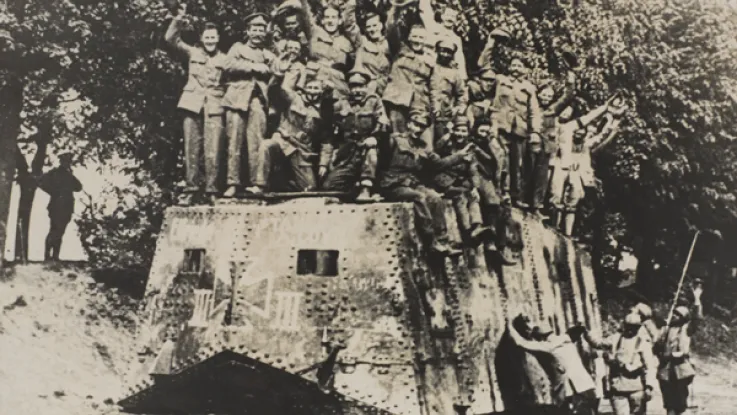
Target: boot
(499,254)
(185,199)
(539,215)
(255,190)
(479,233)
(364,195)
(444,249)
(521,205)
(231,192)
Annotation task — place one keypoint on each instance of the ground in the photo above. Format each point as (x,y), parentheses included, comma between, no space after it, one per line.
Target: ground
(67,341)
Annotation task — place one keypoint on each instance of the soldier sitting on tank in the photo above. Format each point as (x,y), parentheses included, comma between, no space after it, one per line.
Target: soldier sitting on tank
(408,162)
(361,120)
(491,181)
(457,183)
(291,147)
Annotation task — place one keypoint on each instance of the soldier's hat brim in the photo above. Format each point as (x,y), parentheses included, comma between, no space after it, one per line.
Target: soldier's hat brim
(249,20)
(420,118)
(358,73)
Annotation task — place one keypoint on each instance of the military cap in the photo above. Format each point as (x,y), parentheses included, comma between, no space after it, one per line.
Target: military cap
(420,117)
(643,310)
(359,77)
(461,119)
(542,330)
(682,311)
(446,44)
(256,19)
(632,319)
(486,74)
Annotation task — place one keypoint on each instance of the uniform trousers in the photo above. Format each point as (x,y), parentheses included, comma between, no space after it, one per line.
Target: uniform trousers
(629,403)
(429,209)
(360,165)
(280,171)
(249,128)
(203,141)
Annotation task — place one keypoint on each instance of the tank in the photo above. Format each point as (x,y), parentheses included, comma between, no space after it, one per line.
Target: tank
(307,307)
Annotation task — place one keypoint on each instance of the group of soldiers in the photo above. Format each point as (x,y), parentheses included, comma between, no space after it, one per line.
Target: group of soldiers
(637,356)
(371,102)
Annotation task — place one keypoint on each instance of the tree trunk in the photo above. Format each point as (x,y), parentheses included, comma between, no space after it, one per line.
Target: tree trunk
(27,181)
(11,104)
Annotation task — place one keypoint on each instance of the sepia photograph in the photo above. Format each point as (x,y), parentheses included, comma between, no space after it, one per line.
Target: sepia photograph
(368,207)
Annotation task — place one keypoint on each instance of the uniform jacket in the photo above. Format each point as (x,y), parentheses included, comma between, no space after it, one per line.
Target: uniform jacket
(631,363)
(60,184)
(550,116)
(409,80)
(299,123)
(243,82)
(410,160)
(459,175)
(675,362)
(355,122)
(205,88)
(448,90)
(371,57)
(516,106)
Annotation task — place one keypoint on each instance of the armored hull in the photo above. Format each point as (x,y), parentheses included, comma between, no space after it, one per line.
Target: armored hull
(307,307)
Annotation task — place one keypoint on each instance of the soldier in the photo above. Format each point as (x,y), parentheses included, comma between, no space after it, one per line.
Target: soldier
(631,367)
(480,92)
(61,185)
(458,182)
(288,24)
(578,172)
(249,68)
(447,88)
(372,47)
(331,53)
(566,188)
(201,105)
(539,163)
(409,84)
(409,161)
(291,148)
(294,71)
(572,386)
(444,31)
(361,120)
(491,182)
(519,117)
(649,329)
(673,348)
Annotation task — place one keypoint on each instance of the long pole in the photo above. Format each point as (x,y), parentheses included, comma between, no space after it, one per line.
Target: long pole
(683,276)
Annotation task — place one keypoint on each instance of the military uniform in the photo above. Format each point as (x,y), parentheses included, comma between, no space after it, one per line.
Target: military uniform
(676,372)
(291,148)
(517,113)
(448,91)
(201,103)
(61,185)
(249,71)
(330,56)
(408,90)
(631,371)
(408,161)
(356,155)
(457,181)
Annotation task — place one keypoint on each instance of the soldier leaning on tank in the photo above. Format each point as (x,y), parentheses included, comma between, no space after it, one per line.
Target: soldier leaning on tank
(574,391)
(291,148)
(248,66)
(408,89)
(408,163)
(631,363)
(491,181)
(457,182)
(673,349)
(201,105)
(361,121)
(447,88)
(539,163)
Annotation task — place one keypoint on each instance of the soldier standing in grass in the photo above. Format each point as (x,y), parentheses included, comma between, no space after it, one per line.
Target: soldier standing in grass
(61,185)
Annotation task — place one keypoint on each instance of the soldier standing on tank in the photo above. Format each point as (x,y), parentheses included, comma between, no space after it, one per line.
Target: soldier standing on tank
(291,148)
(447,88)
(372,47)
(201,105)
(408,89)
(491,182)
(408,162)
(61,185)
(248,66)
(361,121)
(457,182)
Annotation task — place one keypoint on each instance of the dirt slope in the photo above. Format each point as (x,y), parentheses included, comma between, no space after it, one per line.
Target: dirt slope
(65,343)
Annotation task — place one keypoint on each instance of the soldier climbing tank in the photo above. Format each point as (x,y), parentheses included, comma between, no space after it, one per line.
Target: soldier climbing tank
(303,307)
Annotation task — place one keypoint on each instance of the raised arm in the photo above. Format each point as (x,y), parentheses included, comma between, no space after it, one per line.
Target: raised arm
(568,91)
(529,345)
(610,130)
(173,34)
(350,22)
(697,311)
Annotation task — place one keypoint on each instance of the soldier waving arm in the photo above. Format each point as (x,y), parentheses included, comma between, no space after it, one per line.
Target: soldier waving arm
(173,34)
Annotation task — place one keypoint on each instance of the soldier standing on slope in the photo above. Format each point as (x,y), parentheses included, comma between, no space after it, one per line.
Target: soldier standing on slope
(61,185)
